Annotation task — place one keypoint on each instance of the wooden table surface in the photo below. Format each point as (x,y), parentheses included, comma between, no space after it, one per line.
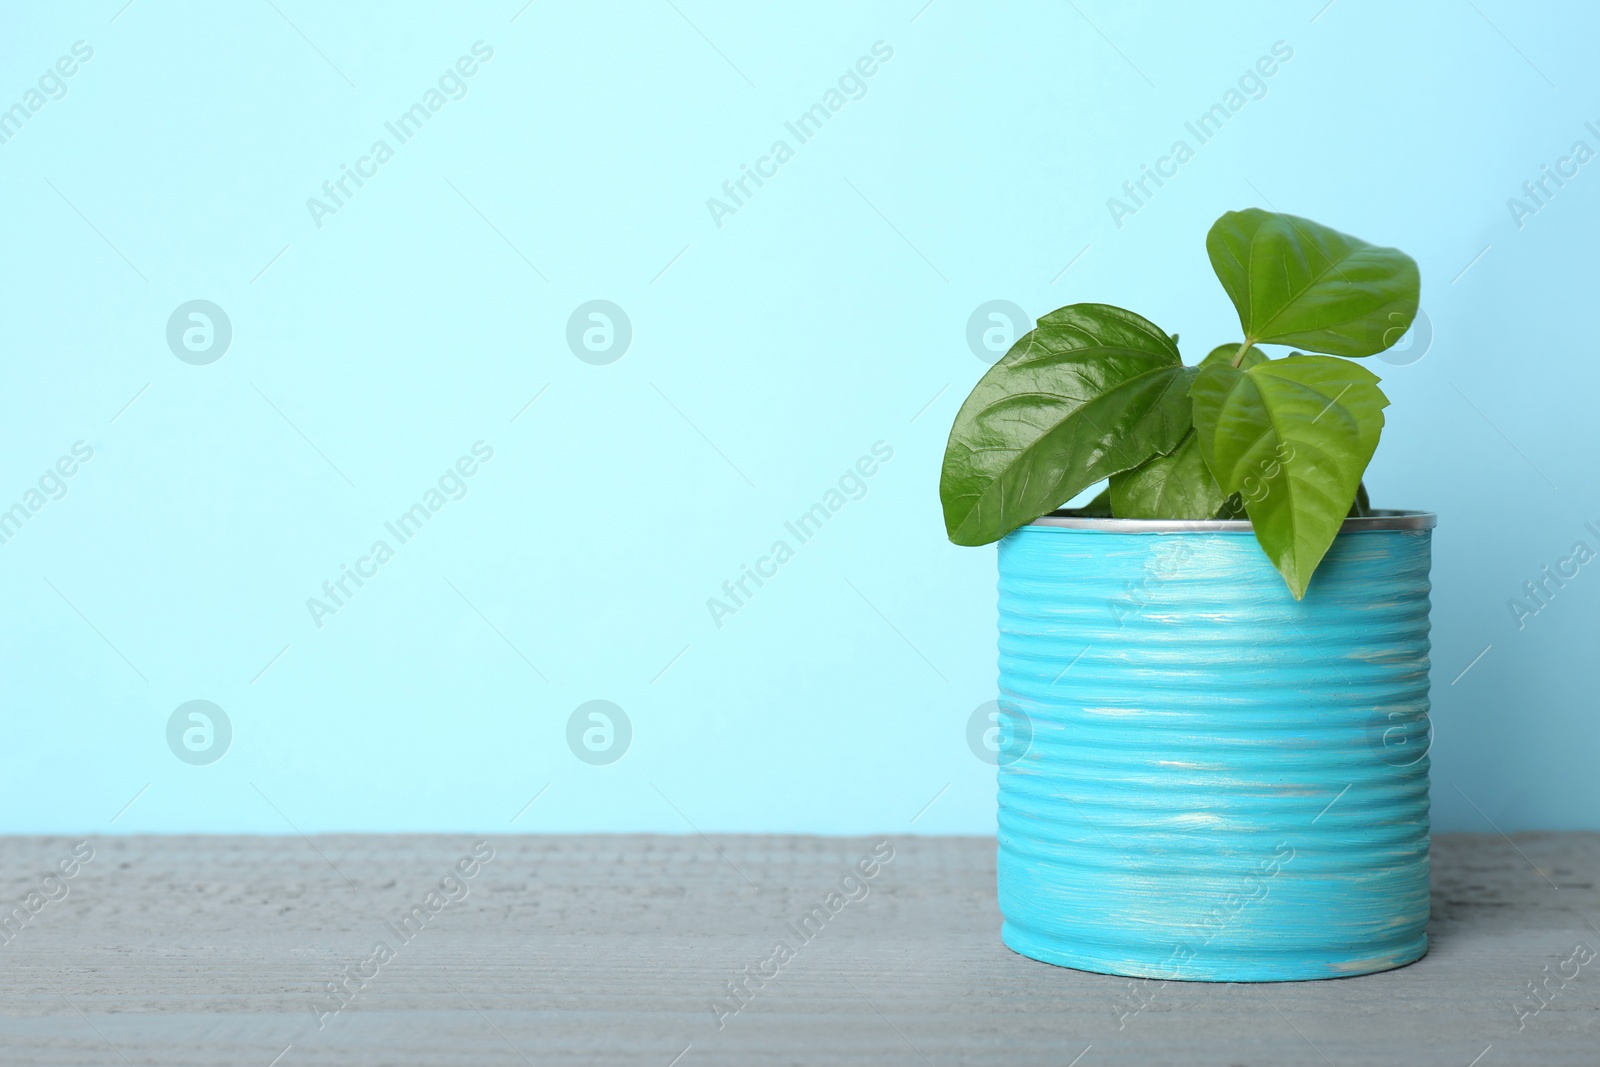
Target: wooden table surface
(619,949)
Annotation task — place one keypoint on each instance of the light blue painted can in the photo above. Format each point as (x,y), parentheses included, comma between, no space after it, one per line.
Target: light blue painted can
(1201,777)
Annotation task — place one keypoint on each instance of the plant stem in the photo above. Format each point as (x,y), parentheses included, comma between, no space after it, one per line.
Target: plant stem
(1237,356)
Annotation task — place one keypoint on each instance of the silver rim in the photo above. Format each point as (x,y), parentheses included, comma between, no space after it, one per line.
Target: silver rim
(1380,519)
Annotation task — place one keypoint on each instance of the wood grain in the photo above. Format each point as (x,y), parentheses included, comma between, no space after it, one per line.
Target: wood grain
(611,950)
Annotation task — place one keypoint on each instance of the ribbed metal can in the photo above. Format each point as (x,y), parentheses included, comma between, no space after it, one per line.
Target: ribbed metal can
(1200,777)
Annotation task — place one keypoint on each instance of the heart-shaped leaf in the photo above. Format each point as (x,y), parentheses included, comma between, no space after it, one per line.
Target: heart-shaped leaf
(1293,437)
(1295,282)
(1090,391)
(1175,486)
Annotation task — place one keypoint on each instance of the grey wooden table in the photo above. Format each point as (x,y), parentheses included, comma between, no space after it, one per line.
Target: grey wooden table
(263,951)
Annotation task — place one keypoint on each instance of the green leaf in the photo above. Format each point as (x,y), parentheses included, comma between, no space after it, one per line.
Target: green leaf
(1090,391)
(1178,485)
(1292,436)
(1295,282)
(1226,354)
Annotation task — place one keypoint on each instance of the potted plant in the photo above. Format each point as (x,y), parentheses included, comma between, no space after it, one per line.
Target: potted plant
(1216,772)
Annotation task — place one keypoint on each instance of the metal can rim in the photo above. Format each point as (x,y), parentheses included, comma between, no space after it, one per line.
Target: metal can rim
(1380,519)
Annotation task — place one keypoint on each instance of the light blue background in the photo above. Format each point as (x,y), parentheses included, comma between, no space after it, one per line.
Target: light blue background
(768,354)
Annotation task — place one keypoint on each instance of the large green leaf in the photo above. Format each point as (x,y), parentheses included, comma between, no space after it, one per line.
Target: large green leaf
(1291,436)
(1090,391)
(1175,486)
(1296,282)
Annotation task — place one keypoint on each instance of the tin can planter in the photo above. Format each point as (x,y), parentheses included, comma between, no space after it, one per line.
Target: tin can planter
(1201,777)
